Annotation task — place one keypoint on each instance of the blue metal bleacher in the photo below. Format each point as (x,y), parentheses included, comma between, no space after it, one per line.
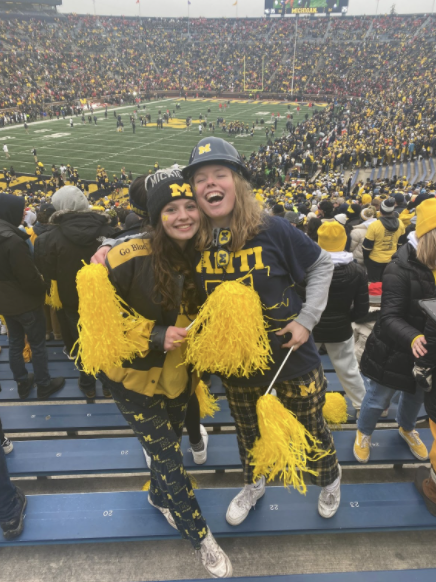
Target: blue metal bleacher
(4,341)
(427,575)
(55,354)
(124,455)
(433,170)
(127,516)
(424,171)
(71,391)
(409,171)
(355,178)
(416,173)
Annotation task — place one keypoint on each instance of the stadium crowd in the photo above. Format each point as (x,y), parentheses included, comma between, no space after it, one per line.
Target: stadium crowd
(84,57)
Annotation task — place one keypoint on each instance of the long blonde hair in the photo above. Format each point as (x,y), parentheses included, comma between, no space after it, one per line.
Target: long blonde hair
(248,219)
(426,252)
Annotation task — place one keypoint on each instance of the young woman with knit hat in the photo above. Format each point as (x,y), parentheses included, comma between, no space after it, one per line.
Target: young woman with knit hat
(347,302)
(236,239)
(397,339)
(138,198)
(153,274)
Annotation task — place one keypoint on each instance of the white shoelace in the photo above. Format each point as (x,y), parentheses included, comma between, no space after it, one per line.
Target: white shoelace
(414,435)
(208,551)
(365,440)
(244,502)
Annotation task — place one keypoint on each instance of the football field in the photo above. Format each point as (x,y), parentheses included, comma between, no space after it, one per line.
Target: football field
(84,146)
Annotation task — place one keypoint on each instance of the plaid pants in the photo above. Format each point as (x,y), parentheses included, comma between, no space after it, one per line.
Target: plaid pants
(305,397)
(158,424)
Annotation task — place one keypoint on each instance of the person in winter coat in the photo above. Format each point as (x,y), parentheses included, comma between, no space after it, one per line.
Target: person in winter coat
(397,338)
(363,327)
(424,372)
(138,198)
(358,233)
(59,254)
(40,227)
(22,293)
(347,301)
(381,240)
(12,502)
(353,216)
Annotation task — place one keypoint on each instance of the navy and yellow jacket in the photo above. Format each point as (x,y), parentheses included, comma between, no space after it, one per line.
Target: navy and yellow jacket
(130,268)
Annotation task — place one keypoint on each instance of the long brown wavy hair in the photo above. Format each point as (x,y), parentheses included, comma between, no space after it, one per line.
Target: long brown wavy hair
(248,218)
(168,258)
(426,252)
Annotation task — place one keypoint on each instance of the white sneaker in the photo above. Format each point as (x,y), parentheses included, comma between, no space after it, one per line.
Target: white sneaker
(7,445)
(214,559)
(329,499)
(165,512)
(200,457)
(240,506)
(3,330)
(147,458)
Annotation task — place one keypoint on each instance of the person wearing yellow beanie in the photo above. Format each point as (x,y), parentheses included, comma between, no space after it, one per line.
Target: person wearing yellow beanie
(348,300)
(366,199)
(425,217)
(332,237)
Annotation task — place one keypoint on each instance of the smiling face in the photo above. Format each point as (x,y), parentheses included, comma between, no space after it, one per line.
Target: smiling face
(215,193)
(180,220)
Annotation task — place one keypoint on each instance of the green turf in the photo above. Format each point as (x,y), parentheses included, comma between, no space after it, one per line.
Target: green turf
(86,146)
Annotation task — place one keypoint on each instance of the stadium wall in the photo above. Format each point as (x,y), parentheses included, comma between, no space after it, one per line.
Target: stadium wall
(224,8)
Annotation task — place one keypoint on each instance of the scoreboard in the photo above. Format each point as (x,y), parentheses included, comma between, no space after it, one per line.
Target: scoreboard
(306,6)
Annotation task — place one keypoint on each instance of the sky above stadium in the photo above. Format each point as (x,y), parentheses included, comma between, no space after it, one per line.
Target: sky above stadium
(222,8)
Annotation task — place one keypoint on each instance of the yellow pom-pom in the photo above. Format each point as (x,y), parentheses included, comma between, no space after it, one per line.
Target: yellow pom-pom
(284,446)
(27,352)
(53,299)
(335,409)
(207,402)
(105,322)
(228,336)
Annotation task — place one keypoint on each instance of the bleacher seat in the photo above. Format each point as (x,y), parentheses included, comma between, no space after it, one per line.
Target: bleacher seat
(427,575)
(127,516)
(124,455)
(106,416)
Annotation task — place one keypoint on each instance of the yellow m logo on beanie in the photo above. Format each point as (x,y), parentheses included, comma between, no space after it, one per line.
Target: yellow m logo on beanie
(177,190)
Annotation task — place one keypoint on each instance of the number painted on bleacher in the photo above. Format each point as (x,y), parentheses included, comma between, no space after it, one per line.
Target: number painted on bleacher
(33,416)
(107,513)
(124,452)
(89,414)
(274,507)
(375,444)
(354,504)
(59,454)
